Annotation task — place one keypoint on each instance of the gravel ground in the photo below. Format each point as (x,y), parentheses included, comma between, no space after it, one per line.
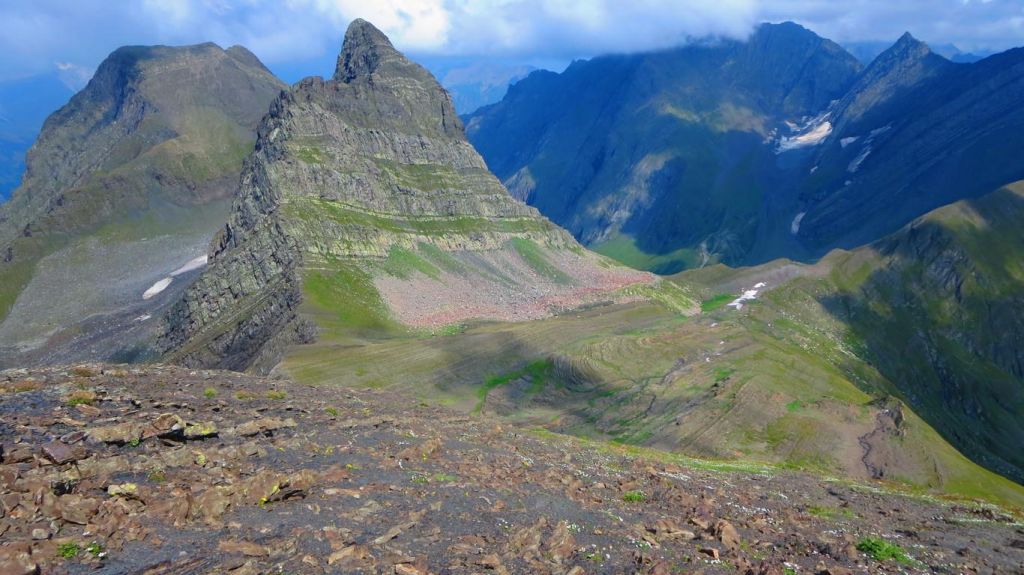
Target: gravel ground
(164,470)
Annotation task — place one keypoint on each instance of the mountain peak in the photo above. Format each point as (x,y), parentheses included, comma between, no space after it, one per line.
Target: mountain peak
(906,47)
(907,38)
(364,50)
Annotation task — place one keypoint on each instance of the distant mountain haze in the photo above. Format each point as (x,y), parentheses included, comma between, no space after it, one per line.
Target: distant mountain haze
(24,105)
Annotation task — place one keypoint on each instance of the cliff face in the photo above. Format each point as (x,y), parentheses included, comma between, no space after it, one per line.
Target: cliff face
(122,186)
(365,184)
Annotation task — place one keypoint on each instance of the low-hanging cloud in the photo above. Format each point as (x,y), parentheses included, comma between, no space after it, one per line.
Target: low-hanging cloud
(35,36)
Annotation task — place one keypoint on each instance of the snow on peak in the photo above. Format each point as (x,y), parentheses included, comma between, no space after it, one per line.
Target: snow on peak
(855,164)
(878,131)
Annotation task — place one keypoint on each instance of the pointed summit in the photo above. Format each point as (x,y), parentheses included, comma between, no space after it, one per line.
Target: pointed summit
(365,50)
(394,91)
(902,66)
(908,39)
(907,47)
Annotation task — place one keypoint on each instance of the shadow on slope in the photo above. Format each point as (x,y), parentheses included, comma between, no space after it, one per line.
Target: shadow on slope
(939,316)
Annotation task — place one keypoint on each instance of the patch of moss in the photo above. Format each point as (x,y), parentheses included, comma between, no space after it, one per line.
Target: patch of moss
(310,154)
(69,550)
(441,258)
(346,294)
(634,497)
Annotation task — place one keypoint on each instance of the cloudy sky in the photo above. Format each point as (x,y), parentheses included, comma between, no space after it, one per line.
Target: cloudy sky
(301,37)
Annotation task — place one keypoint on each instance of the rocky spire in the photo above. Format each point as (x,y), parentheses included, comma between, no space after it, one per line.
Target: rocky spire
(365,50)
(907,48)
(904,65)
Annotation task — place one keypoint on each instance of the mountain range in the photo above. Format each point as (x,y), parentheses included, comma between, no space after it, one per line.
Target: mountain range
(26,102)
(742,152)
(188,207)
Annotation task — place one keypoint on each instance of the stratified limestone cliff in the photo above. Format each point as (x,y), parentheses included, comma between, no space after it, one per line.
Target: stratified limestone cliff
(366,186)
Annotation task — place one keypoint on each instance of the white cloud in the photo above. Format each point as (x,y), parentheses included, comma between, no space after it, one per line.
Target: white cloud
(414,24)
(73,76)
(35,34)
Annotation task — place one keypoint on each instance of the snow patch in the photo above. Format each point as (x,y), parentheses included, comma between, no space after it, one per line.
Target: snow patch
(847,141)
(143,317)
(157,288)
(855,164)
(794,228)
(748,295)
(192,264)
(814,135)
(881,130)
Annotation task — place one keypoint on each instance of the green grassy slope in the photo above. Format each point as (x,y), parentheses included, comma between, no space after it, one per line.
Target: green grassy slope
(762,386)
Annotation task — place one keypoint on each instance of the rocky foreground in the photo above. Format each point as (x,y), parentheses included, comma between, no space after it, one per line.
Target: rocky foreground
(166,470)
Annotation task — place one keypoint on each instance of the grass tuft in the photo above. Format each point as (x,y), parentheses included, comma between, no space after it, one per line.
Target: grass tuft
(69,550)
(634,497)
(882,550)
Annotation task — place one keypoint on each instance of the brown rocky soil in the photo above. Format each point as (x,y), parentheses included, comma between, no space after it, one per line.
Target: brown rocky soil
(166,470)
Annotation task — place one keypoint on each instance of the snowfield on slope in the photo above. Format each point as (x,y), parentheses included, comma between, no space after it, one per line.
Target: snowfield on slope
(748,295)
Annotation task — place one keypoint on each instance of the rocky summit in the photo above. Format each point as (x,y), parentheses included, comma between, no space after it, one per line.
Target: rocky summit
(119,469)
(364,205)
